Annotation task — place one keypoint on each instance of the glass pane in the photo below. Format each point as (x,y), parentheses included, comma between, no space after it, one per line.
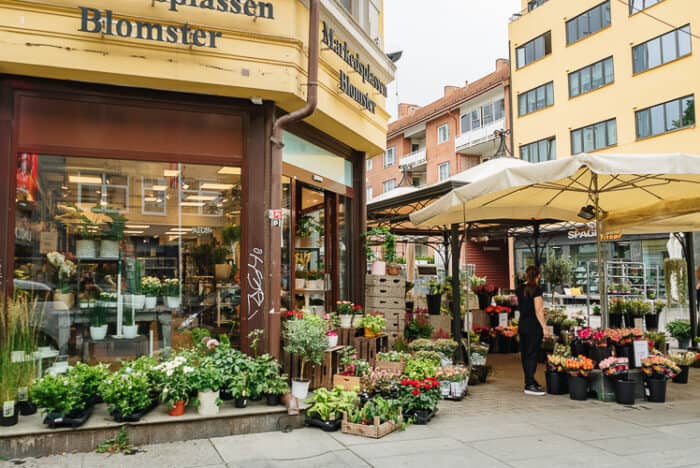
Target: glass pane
(612,132)
(668,45)
(542,150)
(673,115)
(688,110)
(606,14)
(487,113)
(531,101)
(595,19)
(287,282)
(588,139)
(552,149)
(640,58)
(476,119)
(654,53)
(539,47)
(574,84)
(464,123)
(530,52)
(499,109)
(583,26)
(576,144)
(597,75)
(684,46)
(571,31)
(550,94)
(301,153)
(658,123)
(525,153)
(643,125)
(600,139)
(344,235)
(609,70)
(522,104)
(585,80)
(636,5)
(520,52)
(310,241)
(541,100)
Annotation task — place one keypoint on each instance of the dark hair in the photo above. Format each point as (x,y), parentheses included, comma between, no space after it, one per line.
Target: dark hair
(531,275)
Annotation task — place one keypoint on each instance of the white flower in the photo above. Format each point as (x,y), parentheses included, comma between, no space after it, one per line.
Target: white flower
(188,369)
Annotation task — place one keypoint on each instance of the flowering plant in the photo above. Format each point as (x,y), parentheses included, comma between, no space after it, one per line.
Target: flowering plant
(684,359)
(579,366)
(585,334)
(171,287)
(556,362)
(419,394)
(509,331)
(176,384)
(497,309)
(484,289)
(375,322)
(421,344)
(293,315)
(393,356)
(419,325)
(150,285)
(126,391)
(350,365)
(614,366)
(420,368)
(347,308)
(599,339)
(65,269)
(659,366)
(206,377)
(452,374)
(382,381)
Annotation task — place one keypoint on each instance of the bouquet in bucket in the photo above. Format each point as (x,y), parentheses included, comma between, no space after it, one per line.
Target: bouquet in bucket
(659,367)
(579,366)
(614,366)
(556,362)
(497,309)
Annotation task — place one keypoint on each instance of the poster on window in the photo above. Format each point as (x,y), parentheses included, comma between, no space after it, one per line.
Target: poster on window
(26,178)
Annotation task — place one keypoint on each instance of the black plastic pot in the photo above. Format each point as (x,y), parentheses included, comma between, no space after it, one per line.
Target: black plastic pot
(484,300)
(241,402)
(629,320)
(683,343)
(256,397)
(225,395)
(656,390)
(597,354)
(434,301)
(136,416)
(73,419)
(493,320)
(651,321)
(327,426)
(422,417)
(578,388)
(615,320)
(624,392)
(557,383)
(272,400)
(8,418)
(682,376)
(624,351)
(482,372)
(26,408)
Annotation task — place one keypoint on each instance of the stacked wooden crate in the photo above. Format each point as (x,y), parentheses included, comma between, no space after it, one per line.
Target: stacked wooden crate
(387,294)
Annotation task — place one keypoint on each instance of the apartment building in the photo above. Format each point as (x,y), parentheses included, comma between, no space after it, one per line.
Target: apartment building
(613,76)
(429,144)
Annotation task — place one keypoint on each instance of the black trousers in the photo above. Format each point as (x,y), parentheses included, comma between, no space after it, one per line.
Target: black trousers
(530,344)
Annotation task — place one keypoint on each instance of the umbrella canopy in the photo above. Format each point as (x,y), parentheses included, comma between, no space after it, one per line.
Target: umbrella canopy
(627,188)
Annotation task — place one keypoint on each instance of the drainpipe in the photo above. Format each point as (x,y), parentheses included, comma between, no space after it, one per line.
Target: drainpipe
(276,156)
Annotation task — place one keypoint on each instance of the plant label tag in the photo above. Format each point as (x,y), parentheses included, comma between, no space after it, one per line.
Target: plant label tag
(641,351)
(594,321)
(639,323)
(22,394)
(8,409)
(503,320)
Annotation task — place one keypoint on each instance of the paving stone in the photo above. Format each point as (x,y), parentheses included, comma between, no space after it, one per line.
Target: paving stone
(444,458)
(633,444)
(340,459)
(539,446)
(407,447)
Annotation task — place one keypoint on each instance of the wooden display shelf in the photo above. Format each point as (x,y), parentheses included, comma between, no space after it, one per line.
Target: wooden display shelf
(367,348)
(319,376)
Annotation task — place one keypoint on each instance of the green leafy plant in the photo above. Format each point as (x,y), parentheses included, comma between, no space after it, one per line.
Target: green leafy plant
(558,271)
(176,383)
(231,234)
(118,444)
(277,385)
(384,410)
(206,377)
(220,254)
(374,323)
(389,243)
(58,394)
(419,369)
(171,287)
(437,288)
(422,344)
(393,356)
(126,392)
(307,225)
(419,327)
(306,338)
(430,356)
(679,329)
(115,226)
(330,404)
(88,378)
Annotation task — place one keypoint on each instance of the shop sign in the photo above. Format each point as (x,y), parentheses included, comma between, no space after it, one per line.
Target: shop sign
(104,23)
(202,230)
(584,234)
(342,50)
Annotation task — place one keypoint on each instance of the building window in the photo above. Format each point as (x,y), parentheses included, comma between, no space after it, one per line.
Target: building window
(347,4)
(662,49)
(369,165)
(390,157)
(389,185)
(444,171)
(538,151)
(588,22)
(465,122)
(666,117)
(594,137)
(443,133)
(476,119)
(532,4)
(499,109)
(638,5)
(487,114)
(591,77)
(534,50)
(369,193)
(536,99)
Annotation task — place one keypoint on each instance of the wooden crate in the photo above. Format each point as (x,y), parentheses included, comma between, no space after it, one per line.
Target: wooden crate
(382,303)
(291,364)
(384,291)
(386,280)
(347,382)
(330,365)
(375,431)
(346,336)
(367,348)
(393,367)
(393,314)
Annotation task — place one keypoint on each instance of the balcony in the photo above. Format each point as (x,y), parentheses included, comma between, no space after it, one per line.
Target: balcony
(480,141)
(414,160)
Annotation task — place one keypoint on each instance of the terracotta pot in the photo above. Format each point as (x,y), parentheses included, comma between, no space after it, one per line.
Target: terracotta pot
(178,409)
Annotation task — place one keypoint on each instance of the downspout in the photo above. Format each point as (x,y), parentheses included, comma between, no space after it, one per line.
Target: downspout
(314,45)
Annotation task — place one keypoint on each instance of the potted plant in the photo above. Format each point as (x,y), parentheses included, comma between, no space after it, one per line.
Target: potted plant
(222,269)
(274,387)
(419,398)
(651,319)
(328,406)
(176,384)
(555,375)
(446,348)
(231,235)
(306,227)
(207,380)
(615,370)
(434,296)
(680,330)
(346,310)
(130,328)
(64,271)
(616,309)
(558,272)
(657,370)
(374,324)
(578,370)
(109,246)
(61,398)
(128,394)
(683,361)
(134,272)
(300,277)
(87,235)
(306,338)
(171,293)
(239,389)
(98,323)
(151,286)
(379,267)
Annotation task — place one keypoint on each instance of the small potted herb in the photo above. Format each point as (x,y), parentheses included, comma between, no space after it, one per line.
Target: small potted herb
(208,380)
(274,387)
(98,323)
(127,394)
(680,330)
(171,293)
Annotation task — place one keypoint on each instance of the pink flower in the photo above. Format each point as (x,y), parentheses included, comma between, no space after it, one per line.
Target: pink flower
(212,343)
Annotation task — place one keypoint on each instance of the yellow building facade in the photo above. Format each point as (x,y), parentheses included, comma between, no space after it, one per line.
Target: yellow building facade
(631,23)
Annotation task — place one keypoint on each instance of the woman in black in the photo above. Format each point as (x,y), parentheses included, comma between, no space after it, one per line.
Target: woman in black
(531,327)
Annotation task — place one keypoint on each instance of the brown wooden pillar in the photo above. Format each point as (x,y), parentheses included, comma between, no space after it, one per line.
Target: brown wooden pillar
(358,221)
(260,254)
(7,164)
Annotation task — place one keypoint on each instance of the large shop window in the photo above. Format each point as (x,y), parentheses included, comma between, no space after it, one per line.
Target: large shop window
(118,252)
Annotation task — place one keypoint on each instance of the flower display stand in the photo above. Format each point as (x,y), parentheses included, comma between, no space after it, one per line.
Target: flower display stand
(367,348)
(319,376)
(375,431)
(346,336)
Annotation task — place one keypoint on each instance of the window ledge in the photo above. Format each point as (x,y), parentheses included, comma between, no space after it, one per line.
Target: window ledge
(678,59)
(592,90)
(670,132)
(569,44)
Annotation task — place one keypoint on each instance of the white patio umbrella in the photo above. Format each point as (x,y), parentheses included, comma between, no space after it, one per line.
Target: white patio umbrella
(658,187)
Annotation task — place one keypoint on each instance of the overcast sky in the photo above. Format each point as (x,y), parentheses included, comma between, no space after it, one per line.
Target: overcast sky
(444,42)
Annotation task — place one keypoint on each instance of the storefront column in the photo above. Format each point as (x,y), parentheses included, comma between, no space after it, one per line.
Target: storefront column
(260,253)
(358,263)
(6,167)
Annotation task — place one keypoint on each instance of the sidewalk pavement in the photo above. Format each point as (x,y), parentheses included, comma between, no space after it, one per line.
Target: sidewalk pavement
(495,426)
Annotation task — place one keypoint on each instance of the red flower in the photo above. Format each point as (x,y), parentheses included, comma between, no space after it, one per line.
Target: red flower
(357,307)
(427,386)
(415,392)
(436,384)
(404,382)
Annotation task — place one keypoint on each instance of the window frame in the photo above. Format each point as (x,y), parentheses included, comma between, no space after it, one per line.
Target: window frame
(660,38)
(579,134)
(525,95)
(532,43)
(576,20)
(589,70)
(370,164)
(369,194)
(650,122)
(391,150)
(446,128)
(393,185)
(551,148)
(441,166)
(633,12)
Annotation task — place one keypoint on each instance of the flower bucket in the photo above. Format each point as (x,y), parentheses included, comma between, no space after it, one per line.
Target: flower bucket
(434,301)
(178,408)
(151,302)
(98,333)
(332,341)
(683,343)
(484,300)
(598,354)
(300,389)
(624,392)
(207,403)
(656,390)
(85,248)
(272,399)
(8,417)
(138,301)
(651,321)
(493,320)
(615,320)
(109,249)
(557,383)
(379,268)
(346,321)
(682,377)
(130,331)
(173,302)
(578,388)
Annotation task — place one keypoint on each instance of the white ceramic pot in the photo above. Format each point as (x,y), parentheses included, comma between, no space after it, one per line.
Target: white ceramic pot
(299,283)
(310,284)
(98,333)
(85,248)
(173,302)
(346,321)
(207,403)
(379,268)
(332,341)
(109,249)
(138,301)
(130,331)
(300,389)
(150,302)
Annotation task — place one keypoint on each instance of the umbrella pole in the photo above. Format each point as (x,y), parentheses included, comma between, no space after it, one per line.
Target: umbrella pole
(456,292)
(599,255)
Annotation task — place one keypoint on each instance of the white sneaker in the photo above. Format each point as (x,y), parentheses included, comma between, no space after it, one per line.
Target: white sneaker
(533,390)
